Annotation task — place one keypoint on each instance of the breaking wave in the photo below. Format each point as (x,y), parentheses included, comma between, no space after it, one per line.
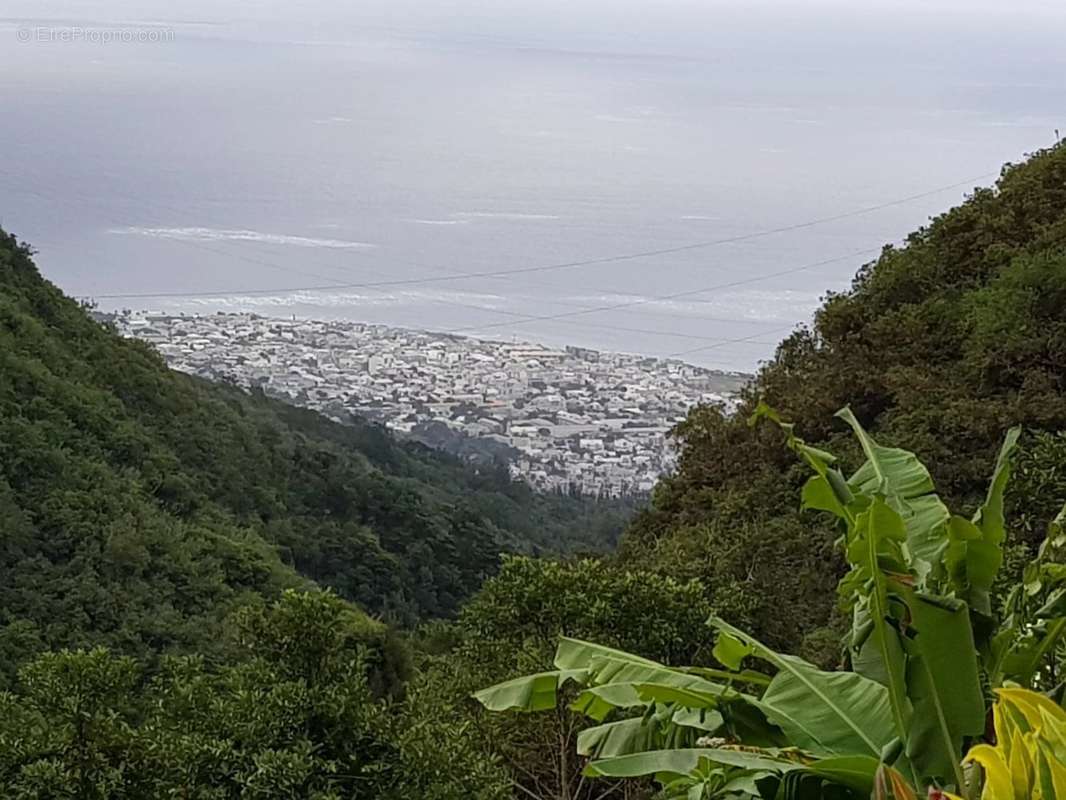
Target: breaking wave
(238,235)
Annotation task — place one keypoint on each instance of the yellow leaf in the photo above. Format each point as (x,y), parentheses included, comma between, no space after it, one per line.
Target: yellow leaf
(1053,731)
(998,784)
(1021,764)
(1030,704)
(1054,771)
(1005,727)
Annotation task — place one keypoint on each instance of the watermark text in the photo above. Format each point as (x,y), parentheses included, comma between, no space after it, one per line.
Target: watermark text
(75,34)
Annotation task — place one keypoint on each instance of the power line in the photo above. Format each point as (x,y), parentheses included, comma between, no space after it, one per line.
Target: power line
(566,317)
(627,329)
(546,267)
(522,317)
(339,282)
(725,342)
(675,295)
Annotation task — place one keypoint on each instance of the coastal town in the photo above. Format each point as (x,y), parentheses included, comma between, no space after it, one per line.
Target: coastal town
(565,420)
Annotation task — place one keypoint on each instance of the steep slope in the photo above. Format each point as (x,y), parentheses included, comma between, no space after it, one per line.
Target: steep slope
(939,346)
(138,505)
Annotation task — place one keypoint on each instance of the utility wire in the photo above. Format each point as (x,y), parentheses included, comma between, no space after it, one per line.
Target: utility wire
(724,342)
(618,257)
(582,310)
(675,295)
(337,282)
(521,317)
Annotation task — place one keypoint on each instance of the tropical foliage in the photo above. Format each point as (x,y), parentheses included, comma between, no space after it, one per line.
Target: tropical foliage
(296,716)
(139,506)
(939,345)
(161,539)
(512,626)
(1028,761)
(925,641)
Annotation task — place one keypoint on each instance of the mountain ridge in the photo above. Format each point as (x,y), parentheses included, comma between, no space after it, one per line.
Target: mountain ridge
(140,506)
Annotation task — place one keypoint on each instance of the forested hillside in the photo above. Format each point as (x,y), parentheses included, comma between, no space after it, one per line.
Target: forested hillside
(940,345)
(871,628)
(157,514)
(139,506)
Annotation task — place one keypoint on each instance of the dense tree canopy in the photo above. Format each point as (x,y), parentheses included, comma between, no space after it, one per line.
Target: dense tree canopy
(513,625)
(150,522)
(939,346)
(294,715)
(139,506)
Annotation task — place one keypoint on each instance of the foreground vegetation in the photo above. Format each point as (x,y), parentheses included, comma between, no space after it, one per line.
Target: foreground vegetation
(939,346)
(924,648)
(164,544)
(307,710)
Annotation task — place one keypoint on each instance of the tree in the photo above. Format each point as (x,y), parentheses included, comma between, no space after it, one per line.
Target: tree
(511,626)
(925,640)
(296,718)
(938,346)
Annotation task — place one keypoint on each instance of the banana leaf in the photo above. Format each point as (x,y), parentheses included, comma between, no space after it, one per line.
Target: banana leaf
(827,713)
(538,692)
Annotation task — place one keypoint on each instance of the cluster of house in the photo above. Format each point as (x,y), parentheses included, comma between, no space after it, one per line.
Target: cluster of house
(570,420)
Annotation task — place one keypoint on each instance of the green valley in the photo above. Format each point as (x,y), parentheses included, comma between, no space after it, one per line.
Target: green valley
(851,587)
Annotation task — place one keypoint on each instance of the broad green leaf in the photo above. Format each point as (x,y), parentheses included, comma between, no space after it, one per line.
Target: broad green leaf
(926,519)
(682,762)
(867,659)
(730,651)
(604,671)
(832,713)
(855,772)
(596,702)
(745,676)
(743,785)
(888,470)
(827,490)
(529,693)
(881,524)
(984,557)
(905,483)
(704,720)
(616,738)
(818,495)
(961,533)
(989,517)
(944,686)
(681,696)
(577,654)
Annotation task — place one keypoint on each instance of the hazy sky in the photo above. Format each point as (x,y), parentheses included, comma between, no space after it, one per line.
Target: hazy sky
(383,148)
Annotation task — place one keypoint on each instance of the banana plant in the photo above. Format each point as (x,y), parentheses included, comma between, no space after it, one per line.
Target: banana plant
(794,735)
(925,640)
(920,578)
(1023,648)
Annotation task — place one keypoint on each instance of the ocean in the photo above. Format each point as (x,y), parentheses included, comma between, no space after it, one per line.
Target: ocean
(494,169)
